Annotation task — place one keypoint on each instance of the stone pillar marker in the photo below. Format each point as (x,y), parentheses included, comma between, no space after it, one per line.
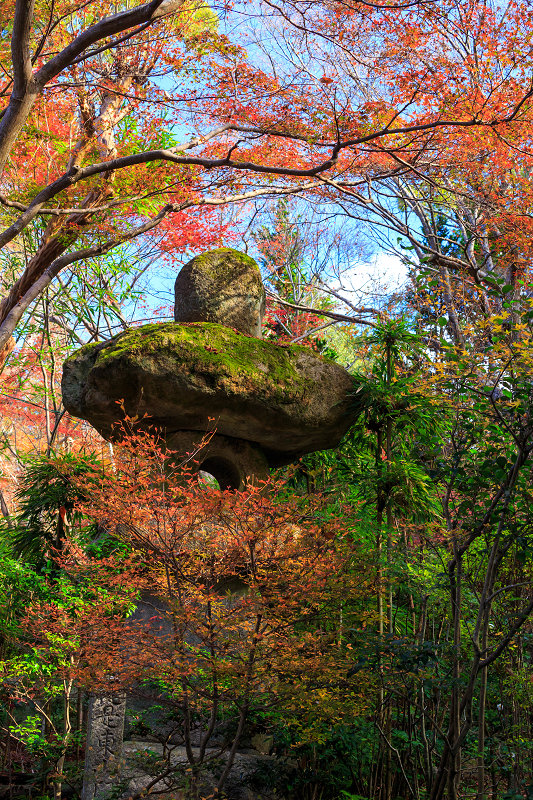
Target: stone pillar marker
(208,372)
(103,749)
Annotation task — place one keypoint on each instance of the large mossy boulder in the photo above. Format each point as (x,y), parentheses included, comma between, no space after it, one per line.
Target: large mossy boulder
(199,376)
(222,286)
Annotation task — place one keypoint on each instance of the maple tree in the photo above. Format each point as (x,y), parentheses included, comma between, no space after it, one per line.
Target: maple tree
(246,613)
(106,103)
(129,134)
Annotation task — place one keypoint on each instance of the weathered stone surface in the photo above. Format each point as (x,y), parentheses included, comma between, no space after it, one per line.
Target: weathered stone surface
(196,377)
(233,462)
(103,750)
(222,286)
(245,767)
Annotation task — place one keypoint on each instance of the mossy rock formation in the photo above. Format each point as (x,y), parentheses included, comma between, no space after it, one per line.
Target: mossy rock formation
(176,377)
(222,286)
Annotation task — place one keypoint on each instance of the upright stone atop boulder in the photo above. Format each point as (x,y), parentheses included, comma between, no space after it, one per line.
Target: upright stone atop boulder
(210,371)
(222,286)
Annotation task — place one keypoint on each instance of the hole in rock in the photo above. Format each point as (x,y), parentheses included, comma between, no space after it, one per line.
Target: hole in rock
(221,471)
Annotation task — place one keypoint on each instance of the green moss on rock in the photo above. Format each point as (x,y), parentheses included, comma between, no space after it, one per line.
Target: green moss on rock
(223,262)
(213,349)
(287,399)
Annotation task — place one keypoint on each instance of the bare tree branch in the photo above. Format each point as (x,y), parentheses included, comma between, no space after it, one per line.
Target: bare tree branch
(319,312)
